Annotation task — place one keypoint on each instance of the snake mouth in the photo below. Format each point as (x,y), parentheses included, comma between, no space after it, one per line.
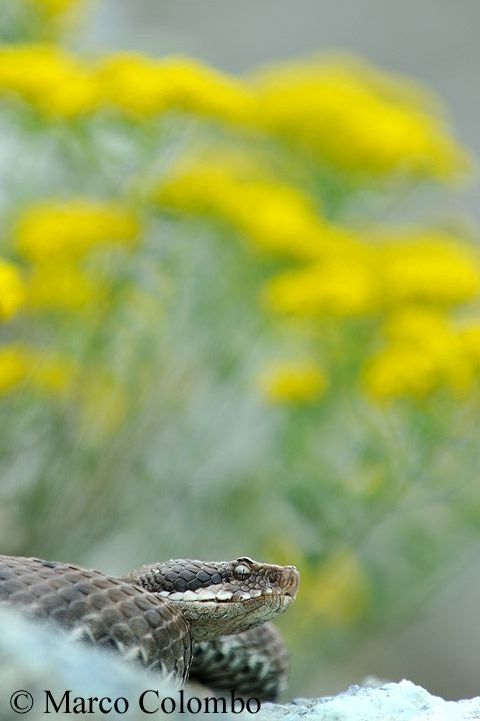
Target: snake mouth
(192,597)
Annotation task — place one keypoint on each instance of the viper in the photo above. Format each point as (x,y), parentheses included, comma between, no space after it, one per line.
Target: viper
(186,619)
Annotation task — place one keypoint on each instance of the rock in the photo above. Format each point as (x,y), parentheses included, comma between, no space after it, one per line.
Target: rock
(402,701)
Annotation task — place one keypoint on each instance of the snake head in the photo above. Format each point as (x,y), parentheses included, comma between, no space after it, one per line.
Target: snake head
(222,597)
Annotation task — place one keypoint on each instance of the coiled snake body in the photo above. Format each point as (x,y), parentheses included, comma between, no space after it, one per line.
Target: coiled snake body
(204,620)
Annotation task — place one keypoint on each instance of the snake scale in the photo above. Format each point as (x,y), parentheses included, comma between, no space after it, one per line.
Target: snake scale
(207,621)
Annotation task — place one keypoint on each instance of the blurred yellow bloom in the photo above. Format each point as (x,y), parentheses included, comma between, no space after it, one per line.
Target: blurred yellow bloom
(143,87)
(293,382)
(52,374)
(14,367)
(56,84)
(338,591)
(469,336)
(402,371)
(56,7)
(429,267)
(22,365)
(55,231)
(62,287)
(52,12)
(357,119)
(335,288)
(357,278)
(12,290)
(417,324)
(424,354)
(275,216)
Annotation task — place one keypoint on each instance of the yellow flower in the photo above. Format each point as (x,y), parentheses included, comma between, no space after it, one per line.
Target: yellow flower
(276,217)
(54,8)
(333,288)
(424,354)
(401,371)
(144,87)
(293,382)
(417,324)
(469,336)
(430,268)
(12,290)
(54,83)
(22,365)
(62,287)
(14,367)
(55,231)
(357,119)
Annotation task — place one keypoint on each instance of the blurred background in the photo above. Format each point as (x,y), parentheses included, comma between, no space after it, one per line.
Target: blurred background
(239,305)
(435,43)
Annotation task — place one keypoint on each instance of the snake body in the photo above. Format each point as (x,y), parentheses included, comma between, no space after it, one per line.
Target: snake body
(207,621)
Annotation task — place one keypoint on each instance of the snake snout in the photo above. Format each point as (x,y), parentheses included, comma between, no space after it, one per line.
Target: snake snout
(291,581)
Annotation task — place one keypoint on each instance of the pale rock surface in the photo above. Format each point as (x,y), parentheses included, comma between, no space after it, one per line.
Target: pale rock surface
(402,701)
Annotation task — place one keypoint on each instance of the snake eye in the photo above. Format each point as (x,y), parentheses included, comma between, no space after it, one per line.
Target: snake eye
(241,571)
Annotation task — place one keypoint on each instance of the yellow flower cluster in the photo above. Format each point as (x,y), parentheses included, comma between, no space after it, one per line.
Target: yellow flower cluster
(59,85)
(276,217)
(62,287)
(469,336)
(54,237)
(144,87)
(343,114)
(54,8)
(22,366)
(343,274)
(12,290)
(53,82)
(346,274)
(425,352)
(333,288)
(346,114)
(357,119)
(411,281)
(62,232)
(431,268)
(13,368)
(293,382)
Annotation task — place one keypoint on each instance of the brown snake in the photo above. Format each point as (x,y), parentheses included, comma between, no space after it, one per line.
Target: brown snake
(207,621)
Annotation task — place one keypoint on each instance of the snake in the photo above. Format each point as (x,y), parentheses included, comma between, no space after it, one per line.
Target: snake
(202,621)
